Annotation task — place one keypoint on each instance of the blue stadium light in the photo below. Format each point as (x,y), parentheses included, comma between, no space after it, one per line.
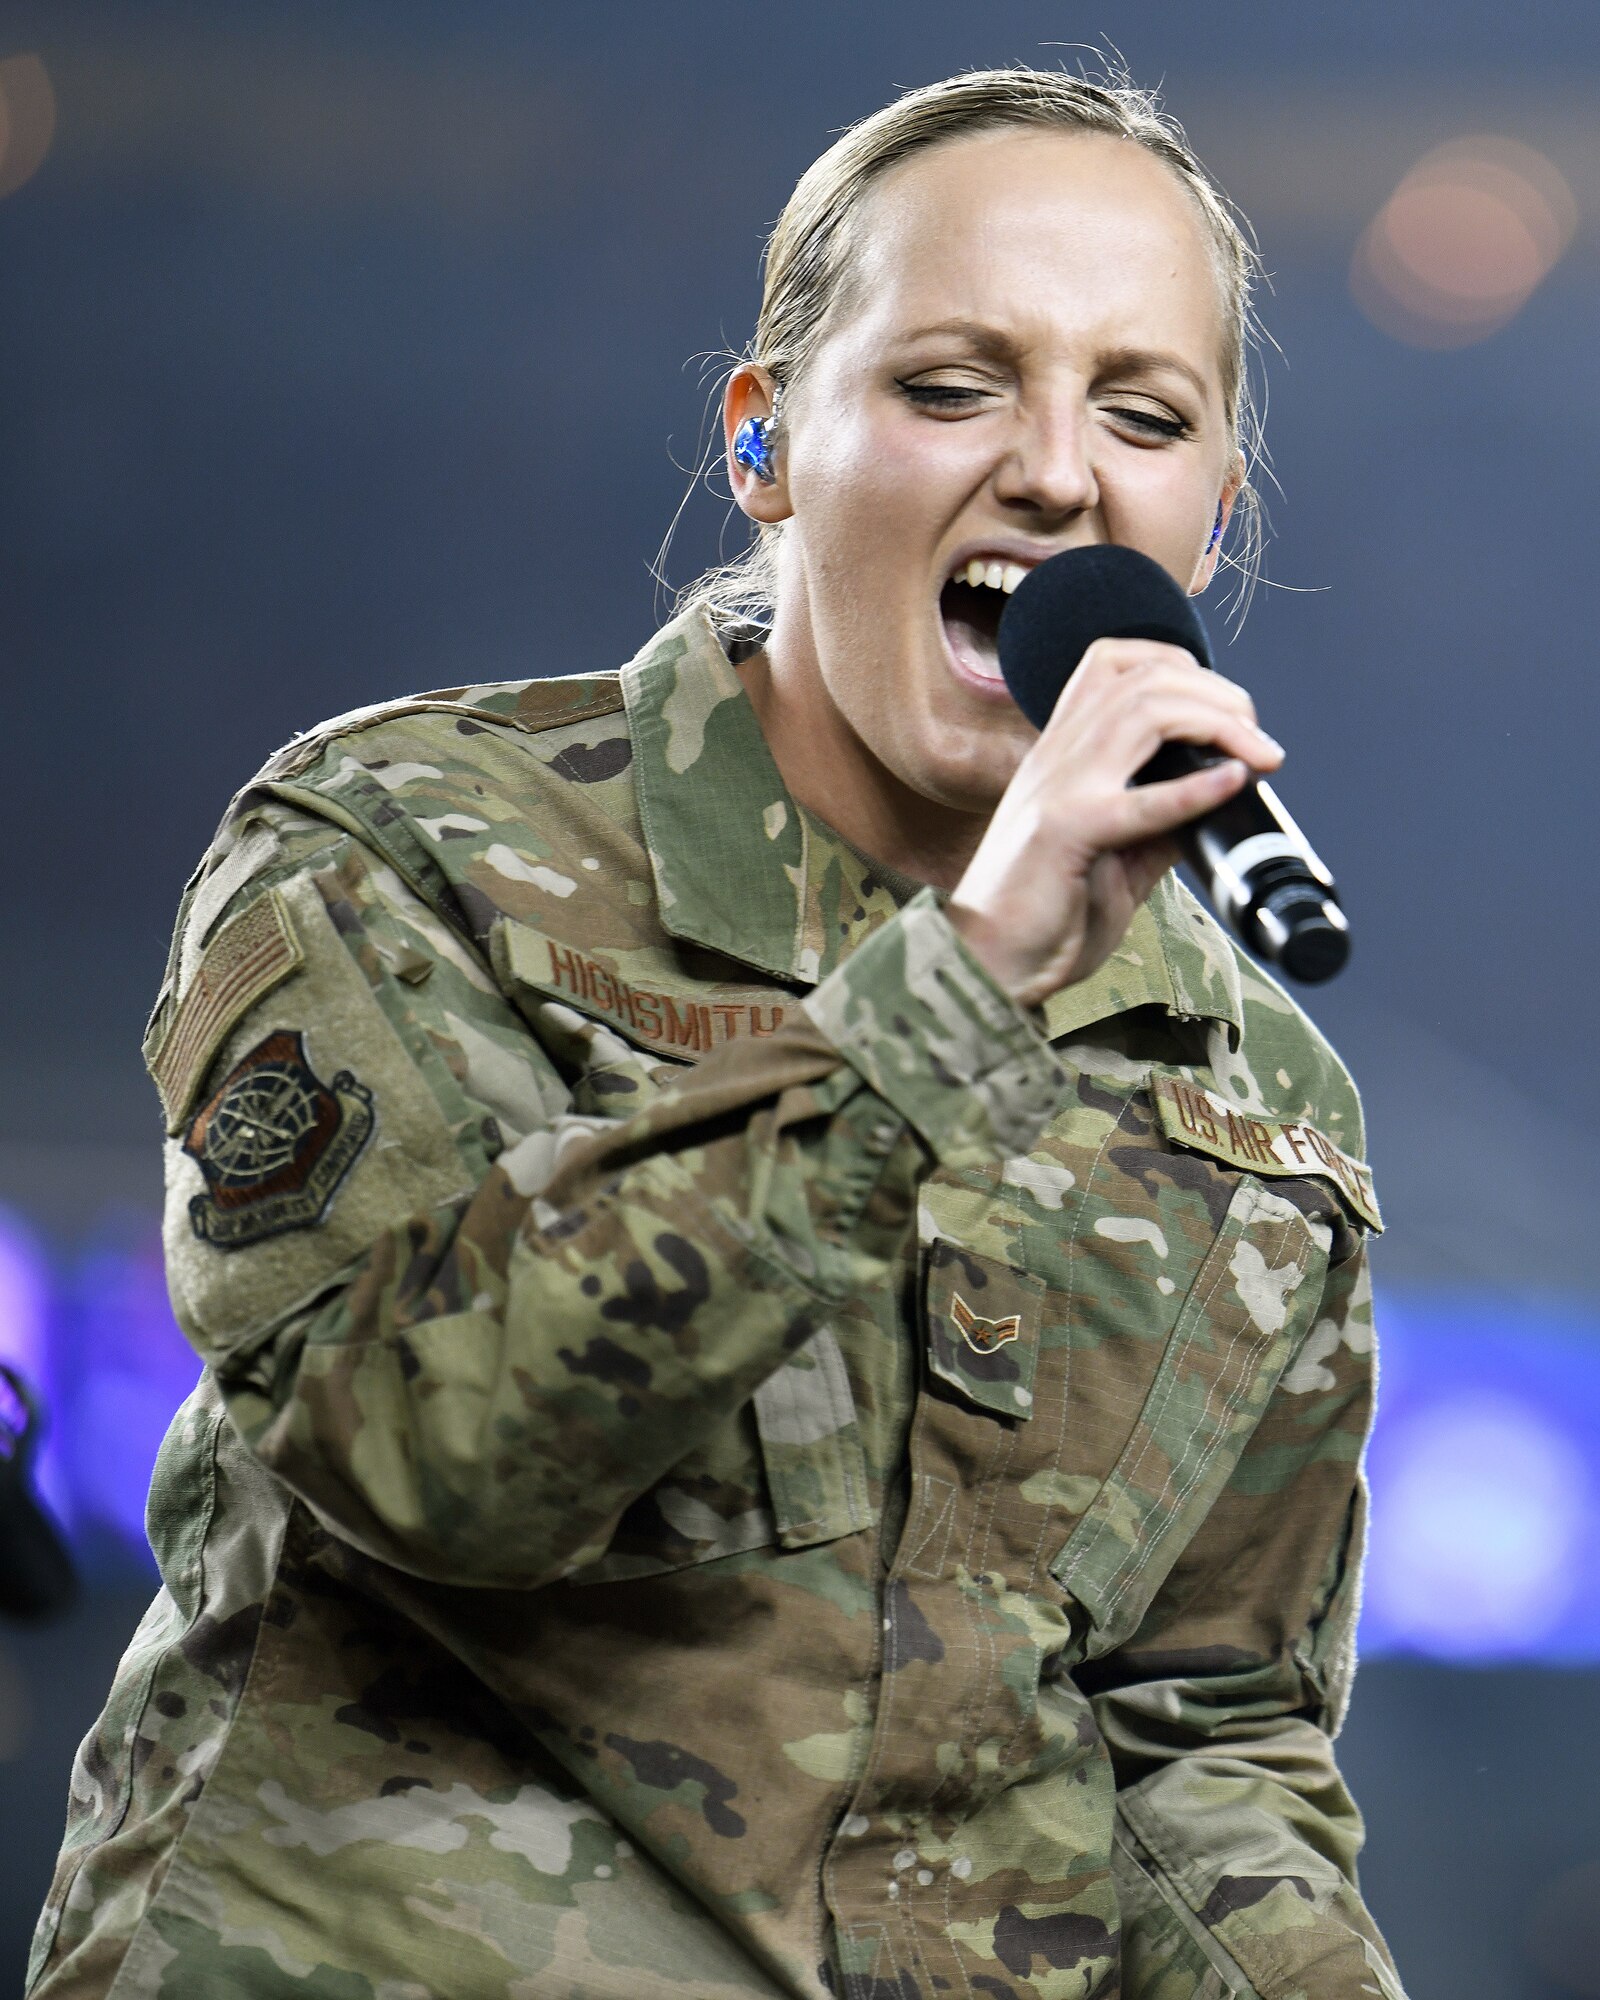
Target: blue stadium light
(94,1331)
(27,1330)
(1486,1514)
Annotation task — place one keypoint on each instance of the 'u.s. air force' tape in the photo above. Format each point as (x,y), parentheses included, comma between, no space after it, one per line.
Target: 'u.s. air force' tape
(1205,1123)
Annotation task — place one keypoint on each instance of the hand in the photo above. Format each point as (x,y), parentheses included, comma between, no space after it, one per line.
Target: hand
(1072,849)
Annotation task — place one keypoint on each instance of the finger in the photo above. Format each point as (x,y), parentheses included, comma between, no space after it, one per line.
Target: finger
(1124,736)
(1118,659)
(1148,683)
(1152,812)
(1122,656)
(1147,861)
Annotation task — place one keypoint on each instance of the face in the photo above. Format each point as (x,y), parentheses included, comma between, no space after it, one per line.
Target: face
(1026,357)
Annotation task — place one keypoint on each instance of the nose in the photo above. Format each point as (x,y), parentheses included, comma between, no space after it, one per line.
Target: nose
(1048,470)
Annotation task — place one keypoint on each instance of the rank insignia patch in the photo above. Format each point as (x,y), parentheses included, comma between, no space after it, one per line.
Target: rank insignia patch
(983,1336)
(274,1143)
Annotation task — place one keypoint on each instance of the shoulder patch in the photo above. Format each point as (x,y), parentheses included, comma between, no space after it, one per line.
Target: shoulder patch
(1204,1123)
(251,954)
(273,1143)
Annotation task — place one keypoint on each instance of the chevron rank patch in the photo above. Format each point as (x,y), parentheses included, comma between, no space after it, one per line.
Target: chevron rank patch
(250,955)
(983,1336)
(273,1143)
(1204,1123)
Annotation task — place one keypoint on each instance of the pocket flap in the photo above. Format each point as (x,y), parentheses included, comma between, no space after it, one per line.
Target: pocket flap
(983,1328)
(811,1447)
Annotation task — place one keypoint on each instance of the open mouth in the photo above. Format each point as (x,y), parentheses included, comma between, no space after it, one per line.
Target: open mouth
(970,605)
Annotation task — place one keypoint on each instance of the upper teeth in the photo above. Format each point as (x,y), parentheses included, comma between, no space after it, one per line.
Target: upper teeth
(992,575)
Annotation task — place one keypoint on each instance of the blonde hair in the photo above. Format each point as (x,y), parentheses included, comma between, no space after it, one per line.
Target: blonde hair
(807,261)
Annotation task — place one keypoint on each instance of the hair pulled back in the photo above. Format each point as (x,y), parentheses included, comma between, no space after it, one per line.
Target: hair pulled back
(807,260)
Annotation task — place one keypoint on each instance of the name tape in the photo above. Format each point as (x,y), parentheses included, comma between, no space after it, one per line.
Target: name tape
(685,1025)
(1194,1118)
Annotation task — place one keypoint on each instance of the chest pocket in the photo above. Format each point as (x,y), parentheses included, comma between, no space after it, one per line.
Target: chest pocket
(787,1471)
(1240,1321)
(1107,1322)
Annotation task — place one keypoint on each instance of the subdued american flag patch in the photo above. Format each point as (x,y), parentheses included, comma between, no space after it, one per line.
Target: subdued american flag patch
(252,953)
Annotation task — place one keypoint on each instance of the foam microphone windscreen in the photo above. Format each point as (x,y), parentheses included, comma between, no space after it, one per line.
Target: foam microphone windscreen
(1059,609)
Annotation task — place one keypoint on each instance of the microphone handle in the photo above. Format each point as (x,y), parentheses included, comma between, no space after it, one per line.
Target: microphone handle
(1260,873)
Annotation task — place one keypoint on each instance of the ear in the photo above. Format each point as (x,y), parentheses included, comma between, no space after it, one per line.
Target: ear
(751,392)
(1206,568)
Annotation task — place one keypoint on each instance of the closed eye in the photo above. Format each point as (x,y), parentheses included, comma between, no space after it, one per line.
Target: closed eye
(1151,423)
(940,395)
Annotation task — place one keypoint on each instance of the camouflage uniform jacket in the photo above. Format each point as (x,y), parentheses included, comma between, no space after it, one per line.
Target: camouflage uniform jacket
(731,1461)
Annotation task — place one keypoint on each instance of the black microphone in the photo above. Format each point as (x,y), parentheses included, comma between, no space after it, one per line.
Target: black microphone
(1261,873)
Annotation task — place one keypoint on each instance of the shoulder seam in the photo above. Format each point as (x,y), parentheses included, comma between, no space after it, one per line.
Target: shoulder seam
(538,708)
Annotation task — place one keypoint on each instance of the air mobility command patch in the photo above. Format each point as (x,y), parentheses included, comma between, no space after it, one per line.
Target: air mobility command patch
(274,1142)
(1204,1123)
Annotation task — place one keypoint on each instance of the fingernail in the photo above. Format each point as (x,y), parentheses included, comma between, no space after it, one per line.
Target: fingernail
(1271,742)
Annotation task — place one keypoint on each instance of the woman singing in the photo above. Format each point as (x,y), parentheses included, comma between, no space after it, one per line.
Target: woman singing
(765,1428)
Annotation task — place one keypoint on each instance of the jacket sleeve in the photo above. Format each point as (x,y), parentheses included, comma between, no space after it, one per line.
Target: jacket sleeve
(1236,1839)
(552,1266)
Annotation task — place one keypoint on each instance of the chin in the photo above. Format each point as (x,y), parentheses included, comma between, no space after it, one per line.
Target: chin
(964,776)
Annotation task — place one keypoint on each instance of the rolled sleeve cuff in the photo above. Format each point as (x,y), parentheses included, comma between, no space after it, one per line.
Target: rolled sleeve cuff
(920,1019)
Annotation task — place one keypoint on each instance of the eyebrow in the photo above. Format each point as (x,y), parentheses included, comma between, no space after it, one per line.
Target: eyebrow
(991,340)
(987,339)
(1152,361)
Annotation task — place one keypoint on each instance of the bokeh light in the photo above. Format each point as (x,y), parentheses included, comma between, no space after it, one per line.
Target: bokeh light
(1485,1508)
(134,1369)
(24,1297)
(1463,243)
(1485,1503)
(27,119)
(93,1331)
(28,1336)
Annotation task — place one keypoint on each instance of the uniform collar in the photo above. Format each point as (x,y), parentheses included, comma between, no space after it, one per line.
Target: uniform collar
(741,868)
(1173,955)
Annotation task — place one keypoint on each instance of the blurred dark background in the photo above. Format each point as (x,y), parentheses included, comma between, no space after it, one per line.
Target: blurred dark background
(351,351)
